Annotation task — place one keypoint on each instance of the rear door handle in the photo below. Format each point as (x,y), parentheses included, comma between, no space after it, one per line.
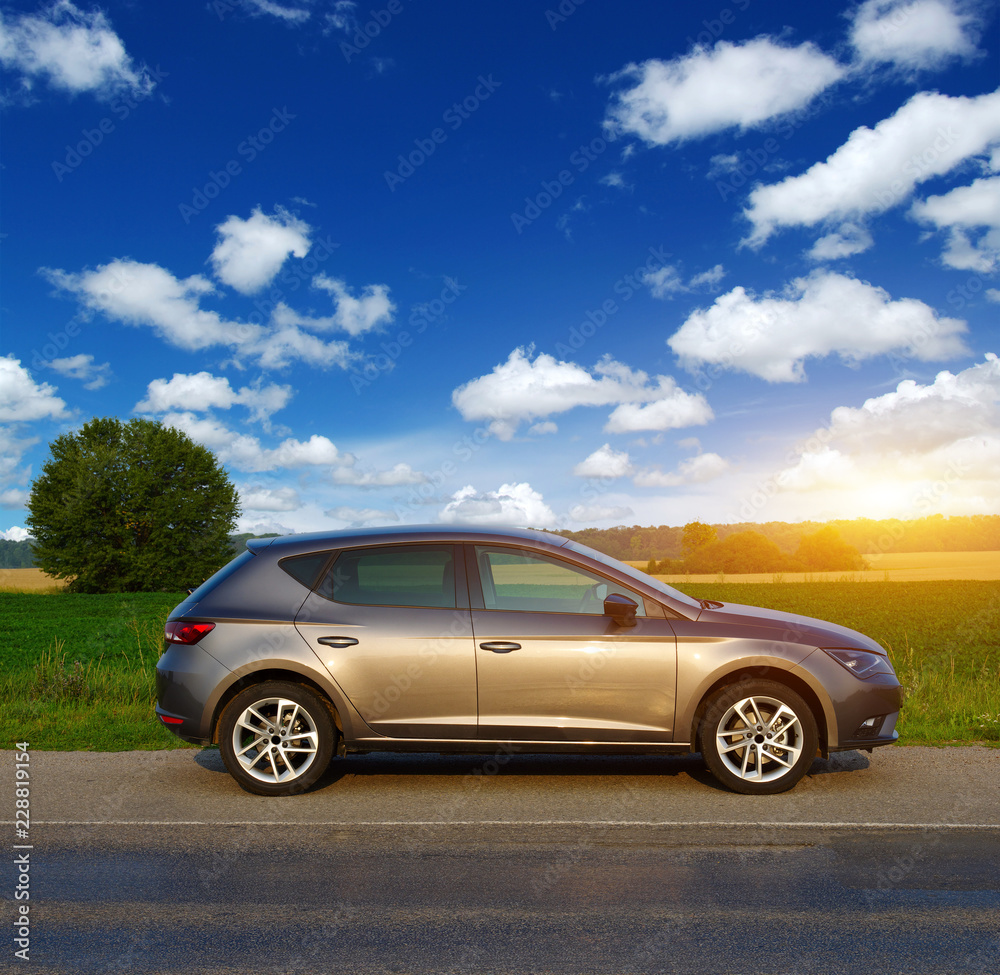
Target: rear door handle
(337,641)
(500,646)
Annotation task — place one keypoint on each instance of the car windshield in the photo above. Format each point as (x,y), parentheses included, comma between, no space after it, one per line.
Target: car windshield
(640,576)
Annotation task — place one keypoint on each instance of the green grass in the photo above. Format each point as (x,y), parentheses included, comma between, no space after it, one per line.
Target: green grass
(76,671)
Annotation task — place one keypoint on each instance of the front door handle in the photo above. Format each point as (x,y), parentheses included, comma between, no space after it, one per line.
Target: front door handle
(500,646)
(337,641)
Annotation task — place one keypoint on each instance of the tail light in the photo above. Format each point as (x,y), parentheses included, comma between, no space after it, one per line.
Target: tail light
(178,631)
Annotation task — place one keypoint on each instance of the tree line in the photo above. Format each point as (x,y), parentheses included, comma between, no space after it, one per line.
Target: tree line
(936,533)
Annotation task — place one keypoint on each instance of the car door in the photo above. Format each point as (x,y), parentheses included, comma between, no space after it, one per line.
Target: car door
(391,624)
(551,666)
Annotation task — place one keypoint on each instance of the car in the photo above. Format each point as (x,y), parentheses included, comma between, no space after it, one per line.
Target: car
(463,639)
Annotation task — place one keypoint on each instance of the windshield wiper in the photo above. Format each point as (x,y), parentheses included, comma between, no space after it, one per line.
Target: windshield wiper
(710,604)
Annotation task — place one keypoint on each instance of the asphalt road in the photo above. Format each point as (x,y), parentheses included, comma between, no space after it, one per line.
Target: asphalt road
(157,862)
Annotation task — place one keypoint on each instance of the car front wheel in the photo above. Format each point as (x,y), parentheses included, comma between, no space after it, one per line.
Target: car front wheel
(758,737)
(277,738)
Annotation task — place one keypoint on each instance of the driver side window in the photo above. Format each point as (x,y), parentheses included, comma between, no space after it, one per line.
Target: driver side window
(517,581)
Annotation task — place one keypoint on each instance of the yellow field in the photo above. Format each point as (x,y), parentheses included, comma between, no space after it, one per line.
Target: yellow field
(27,580)
(891,566)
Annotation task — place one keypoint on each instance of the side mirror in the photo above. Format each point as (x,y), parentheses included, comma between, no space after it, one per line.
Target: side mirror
(621,609)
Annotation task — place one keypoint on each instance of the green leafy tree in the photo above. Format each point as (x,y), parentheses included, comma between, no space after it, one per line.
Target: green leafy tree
(826,550)
(131,507)
(696,535)
(740,552)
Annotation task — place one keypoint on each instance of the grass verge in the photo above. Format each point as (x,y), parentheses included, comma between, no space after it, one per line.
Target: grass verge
(76,671)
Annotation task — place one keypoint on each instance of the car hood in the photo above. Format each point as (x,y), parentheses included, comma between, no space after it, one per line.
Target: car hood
(792,627)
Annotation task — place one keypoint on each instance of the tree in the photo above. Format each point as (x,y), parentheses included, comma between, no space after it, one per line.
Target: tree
(696,535)
(740,552)
(826,550)
(131,507)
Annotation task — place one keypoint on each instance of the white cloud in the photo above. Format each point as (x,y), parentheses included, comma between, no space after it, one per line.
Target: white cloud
(258,498)
(22,400)
(666,281)
(15,534)
(694,470)
(83,368)
(250,252)
(517,505)
(708,279)
(823,314)
(521,390)
(543,428)
(604,462)
(148,295)
(202,391)
(589,513)
(963,209)
(849,240)
(344,16)
(291,15)
(943,437)
(245,453)
(673,410)
(398,475)
(713,89)
(358,315)
(913,33)
(722,164)
(617,180)
(878,168)
(73,50)
(361,516)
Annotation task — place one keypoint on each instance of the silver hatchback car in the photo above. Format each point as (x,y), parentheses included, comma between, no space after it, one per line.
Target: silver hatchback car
(466,640)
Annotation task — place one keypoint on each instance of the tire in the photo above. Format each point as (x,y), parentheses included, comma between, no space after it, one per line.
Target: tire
(758,737)
(277,738)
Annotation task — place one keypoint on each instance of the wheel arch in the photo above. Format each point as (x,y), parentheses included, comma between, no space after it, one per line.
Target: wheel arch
(273,674)
(778,676)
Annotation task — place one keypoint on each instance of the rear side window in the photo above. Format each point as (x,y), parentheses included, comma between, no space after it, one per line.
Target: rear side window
(305,568)
(224,573)
(396,575)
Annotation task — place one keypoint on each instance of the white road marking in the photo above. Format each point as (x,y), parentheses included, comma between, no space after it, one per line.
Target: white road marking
(508,822)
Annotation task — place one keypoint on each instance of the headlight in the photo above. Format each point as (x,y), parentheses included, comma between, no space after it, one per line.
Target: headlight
(861,663)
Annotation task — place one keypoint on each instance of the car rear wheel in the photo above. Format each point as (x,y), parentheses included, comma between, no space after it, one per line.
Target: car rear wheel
(277,738)
(758,737)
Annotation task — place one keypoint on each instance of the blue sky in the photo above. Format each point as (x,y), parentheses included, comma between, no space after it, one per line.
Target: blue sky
(563,265)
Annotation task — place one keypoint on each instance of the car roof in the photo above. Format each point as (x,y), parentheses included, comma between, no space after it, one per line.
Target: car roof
(284,545)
